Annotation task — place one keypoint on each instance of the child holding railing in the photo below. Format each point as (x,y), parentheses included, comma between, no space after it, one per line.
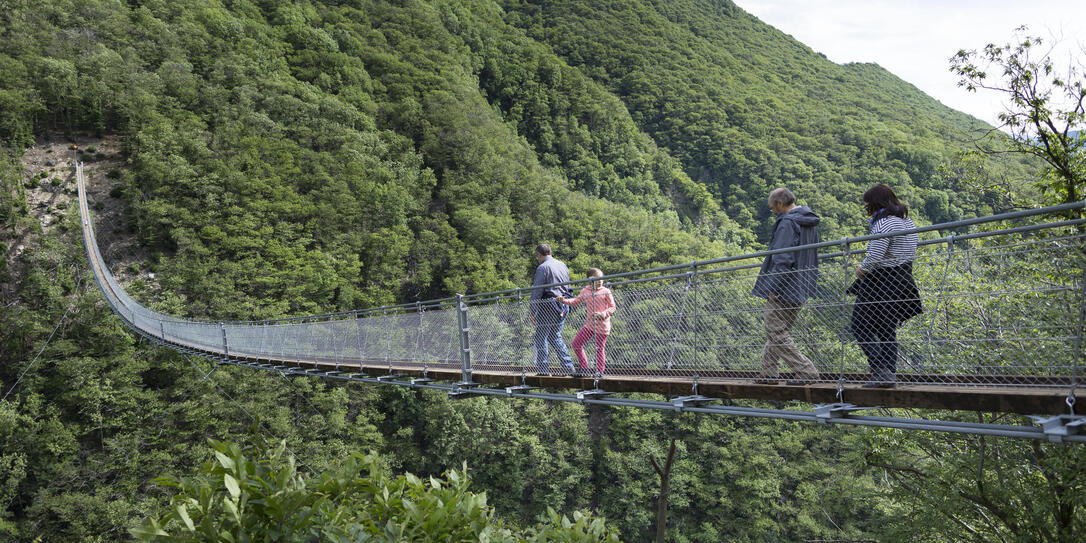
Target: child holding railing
(599,304)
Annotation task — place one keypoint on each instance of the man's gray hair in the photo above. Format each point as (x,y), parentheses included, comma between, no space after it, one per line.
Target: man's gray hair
(543,249)
(782,196)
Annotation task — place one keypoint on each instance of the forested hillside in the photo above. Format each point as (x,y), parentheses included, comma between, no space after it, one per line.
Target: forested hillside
(746,108)
(332,157)
(284,158)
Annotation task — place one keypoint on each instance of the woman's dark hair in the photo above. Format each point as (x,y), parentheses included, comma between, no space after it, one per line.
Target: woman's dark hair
(882,197)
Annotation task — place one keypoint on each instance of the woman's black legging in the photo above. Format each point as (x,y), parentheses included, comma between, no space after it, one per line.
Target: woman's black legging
(875,329)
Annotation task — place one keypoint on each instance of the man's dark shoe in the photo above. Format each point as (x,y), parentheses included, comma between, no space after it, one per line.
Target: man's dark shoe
(803,379)
(879,384)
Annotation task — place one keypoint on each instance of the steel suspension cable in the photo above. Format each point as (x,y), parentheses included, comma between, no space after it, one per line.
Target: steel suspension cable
(306,398)
(207,377)
(75,297)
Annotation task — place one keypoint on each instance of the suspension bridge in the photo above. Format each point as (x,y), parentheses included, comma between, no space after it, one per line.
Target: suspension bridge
(1002,331)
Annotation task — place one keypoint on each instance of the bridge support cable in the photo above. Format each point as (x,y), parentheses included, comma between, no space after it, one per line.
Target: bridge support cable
(999,330)
(60,321)
(259,423)
(304,397)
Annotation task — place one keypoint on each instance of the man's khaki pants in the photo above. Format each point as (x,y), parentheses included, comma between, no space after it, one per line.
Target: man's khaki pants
(779,317)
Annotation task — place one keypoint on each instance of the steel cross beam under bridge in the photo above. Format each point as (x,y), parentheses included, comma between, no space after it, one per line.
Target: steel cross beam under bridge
(1001,331)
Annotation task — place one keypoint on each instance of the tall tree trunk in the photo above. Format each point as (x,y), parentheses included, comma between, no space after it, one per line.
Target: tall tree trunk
(599,419)
(665,480)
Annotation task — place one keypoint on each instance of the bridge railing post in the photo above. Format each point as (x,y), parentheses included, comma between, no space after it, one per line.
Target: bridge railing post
(360,341)
(225,344)
(263,338)
(695,357)
(418,332)
(846,280)
(388,338)
(465,342)
(523,312)
(335,326)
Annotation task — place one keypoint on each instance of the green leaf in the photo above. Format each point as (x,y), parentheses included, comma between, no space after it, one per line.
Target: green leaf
(232,508)
(148,531)
(224,460)
(231,485)
(183,514)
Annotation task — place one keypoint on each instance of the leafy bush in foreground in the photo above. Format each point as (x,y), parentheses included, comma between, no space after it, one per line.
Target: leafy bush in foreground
(257,494)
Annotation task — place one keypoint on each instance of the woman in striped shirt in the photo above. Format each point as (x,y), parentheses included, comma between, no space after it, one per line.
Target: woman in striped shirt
(886,293)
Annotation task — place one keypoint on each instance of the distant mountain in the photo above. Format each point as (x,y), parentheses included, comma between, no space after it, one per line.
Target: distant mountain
(746,108)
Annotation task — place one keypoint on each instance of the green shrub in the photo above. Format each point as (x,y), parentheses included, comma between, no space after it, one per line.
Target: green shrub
(257,494)
(56,181)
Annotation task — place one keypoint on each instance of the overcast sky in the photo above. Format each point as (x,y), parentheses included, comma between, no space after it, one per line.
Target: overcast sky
(914,39)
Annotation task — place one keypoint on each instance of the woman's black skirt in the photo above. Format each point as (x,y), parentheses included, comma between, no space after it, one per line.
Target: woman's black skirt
(886,294)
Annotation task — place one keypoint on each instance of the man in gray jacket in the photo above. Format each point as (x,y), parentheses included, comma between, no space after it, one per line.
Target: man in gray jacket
(786,281)
(547,314)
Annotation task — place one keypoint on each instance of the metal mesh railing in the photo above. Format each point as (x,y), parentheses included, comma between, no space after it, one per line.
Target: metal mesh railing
(1002,302)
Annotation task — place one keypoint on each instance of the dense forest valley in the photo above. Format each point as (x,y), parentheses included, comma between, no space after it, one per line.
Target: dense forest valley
(254,159)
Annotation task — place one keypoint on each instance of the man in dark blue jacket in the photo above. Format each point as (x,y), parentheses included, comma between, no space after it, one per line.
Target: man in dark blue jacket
(786,280)
(548,315)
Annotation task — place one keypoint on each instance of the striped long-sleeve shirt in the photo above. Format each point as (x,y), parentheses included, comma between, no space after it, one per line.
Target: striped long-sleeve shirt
(890,251)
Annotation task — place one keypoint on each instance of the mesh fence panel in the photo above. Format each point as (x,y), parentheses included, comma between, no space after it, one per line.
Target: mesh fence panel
(998,308)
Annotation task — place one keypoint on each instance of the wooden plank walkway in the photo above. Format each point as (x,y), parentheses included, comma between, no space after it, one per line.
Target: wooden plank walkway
(1025,400)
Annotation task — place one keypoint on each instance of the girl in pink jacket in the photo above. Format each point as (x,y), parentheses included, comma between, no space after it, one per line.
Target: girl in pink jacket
(600,304)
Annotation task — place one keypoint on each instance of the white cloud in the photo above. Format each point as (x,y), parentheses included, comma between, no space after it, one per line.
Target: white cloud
(914,39)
